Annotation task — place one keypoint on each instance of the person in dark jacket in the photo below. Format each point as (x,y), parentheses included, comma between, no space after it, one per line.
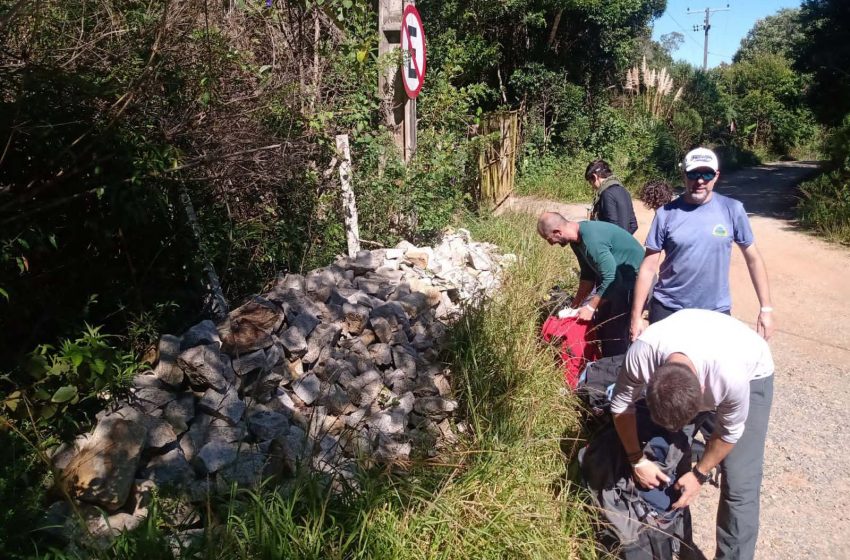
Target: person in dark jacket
(612,202)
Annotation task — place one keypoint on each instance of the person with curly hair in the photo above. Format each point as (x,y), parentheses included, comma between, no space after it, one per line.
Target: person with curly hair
(655,194)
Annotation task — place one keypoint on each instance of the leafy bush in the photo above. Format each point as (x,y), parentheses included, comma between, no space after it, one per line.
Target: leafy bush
(825,205)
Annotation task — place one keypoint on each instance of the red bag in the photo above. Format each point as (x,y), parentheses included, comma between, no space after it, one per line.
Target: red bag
(576,349)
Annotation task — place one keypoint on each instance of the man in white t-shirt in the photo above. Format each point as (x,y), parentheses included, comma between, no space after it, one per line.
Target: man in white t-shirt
(697,360)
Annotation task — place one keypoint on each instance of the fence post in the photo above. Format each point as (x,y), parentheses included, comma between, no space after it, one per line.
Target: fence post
(352,229)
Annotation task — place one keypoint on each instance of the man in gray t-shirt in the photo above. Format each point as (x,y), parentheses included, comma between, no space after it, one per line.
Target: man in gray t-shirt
(696,232)
(697,360)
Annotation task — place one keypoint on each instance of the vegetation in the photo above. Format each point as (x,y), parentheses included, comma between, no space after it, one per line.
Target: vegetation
(503,493)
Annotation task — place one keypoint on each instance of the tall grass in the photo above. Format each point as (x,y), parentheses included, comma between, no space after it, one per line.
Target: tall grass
(554,176)
(500,495)
(825,206)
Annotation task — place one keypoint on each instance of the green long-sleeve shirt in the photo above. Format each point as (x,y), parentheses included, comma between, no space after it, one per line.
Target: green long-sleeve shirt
(607,255)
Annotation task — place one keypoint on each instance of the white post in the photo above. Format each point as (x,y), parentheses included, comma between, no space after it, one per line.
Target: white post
(352,230)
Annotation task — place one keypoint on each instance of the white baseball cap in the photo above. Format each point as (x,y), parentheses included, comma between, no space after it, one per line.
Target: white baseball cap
(701,157)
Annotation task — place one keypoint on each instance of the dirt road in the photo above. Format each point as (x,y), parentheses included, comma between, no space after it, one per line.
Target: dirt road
(806,484)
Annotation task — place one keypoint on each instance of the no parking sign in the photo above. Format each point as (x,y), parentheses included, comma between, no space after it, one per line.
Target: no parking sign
(413,51)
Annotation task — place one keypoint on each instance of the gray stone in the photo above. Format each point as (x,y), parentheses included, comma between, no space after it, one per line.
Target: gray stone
(160,433)
(444,387)
(335,399)
(308,388)
(251,326)
(356,317)
(264,385)
(103,472)
(192,441)
(146,379)
(267,425)
(319,284)
(249,362)
(227,406)
(305,322)
(148,399)
(295,448)
(293,282)
(389,450)
(447,433)
(414,303)
(167,370)
(293,341)
(275,354)
(170,469)
(180,412)
(324,336)
(383,329)
(391,421)
(221,430)
(202,334)
(381,353)
(245,470)
(365,388)
(478,258)
(356,419)
(204,367)
(215,455)
(435,407)
(405,358)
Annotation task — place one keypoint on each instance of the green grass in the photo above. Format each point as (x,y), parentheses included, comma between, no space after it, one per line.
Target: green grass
(825,206)
(502,494)
(555,177)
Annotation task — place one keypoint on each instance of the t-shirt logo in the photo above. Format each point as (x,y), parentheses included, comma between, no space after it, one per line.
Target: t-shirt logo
(720,231)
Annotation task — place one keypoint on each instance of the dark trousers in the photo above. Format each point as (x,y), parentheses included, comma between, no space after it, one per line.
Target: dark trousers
(612,324)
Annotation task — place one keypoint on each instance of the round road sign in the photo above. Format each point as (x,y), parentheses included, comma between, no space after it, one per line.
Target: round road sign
(413,51)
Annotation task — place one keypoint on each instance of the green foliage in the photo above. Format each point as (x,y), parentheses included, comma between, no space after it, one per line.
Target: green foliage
(67,381)
(825,54)
(825,205)
(780,34)
(768,104)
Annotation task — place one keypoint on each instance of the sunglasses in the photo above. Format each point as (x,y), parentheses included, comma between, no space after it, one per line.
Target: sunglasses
(704,175)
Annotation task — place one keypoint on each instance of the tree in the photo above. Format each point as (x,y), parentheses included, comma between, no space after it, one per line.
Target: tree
(779,34)
(825,53)
(671,42)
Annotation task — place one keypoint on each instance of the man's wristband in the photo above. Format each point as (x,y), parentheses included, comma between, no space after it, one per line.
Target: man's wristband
(766,309)
(592,309)
(701,478)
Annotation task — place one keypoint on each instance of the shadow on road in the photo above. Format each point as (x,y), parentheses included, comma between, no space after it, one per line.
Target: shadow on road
(768,190)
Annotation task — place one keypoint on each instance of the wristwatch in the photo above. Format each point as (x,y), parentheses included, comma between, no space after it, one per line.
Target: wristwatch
(701,478)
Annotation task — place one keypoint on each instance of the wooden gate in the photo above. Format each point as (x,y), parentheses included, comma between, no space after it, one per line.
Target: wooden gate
(497,157)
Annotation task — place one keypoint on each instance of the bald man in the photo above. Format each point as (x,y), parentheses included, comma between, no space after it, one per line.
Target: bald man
(609,258)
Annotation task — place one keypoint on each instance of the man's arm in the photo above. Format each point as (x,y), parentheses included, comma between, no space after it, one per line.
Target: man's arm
(606,264)
(758,275)
(715,452)
(584,289)
(647,272)
(646,472)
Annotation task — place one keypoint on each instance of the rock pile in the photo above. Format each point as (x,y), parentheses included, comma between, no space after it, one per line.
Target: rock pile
(325,371)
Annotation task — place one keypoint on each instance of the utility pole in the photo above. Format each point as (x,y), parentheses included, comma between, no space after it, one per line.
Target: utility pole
(706,26)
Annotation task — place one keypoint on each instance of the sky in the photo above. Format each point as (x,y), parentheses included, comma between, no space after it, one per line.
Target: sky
(727,27)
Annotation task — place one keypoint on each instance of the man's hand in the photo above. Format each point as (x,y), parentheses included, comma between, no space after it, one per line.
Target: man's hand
(690,487)
(636,328)
(764,324)
(648,475)
(586,313)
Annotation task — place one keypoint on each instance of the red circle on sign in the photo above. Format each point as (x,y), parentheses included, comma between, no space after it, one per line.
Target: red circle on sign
(410,9)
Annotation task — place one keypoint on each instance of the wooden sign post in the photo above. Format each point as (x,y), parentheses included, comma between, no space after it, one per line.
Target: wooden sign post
(399,106)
